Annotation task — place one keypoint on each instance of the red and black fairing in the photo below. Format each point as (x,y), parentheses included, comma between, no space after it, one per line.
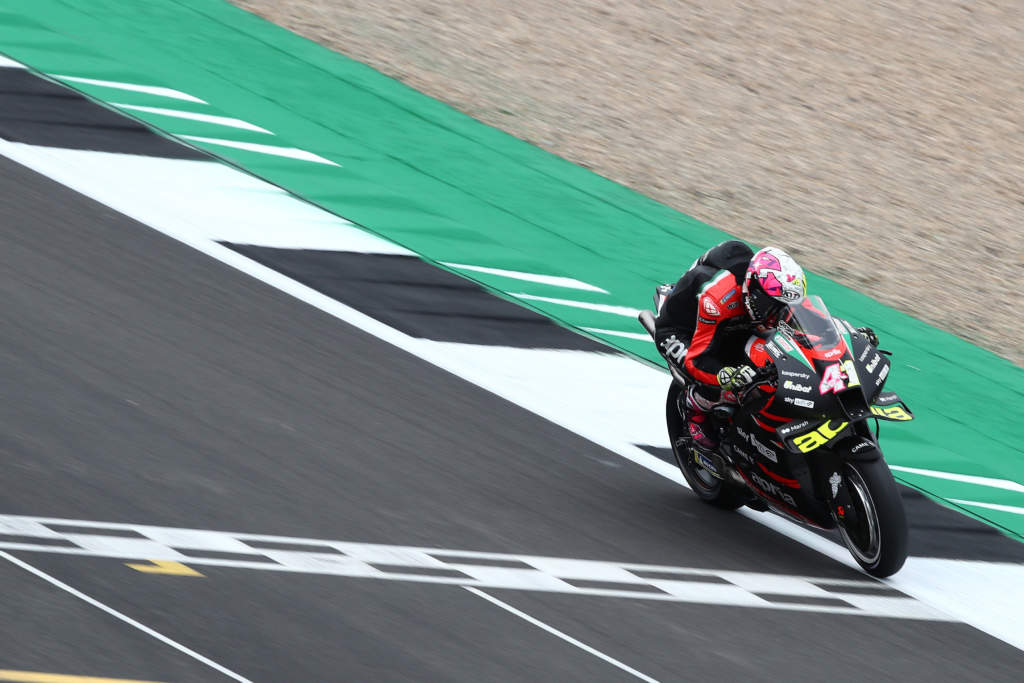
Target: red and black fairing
(826,379)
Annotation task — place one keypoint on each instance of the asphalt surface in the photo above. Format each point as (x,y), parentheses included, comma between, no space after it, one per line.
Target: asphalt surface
(147,383)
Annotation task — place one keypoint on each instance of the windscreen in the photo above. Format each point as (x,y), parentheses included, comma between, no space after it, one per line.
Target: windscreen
(810,324)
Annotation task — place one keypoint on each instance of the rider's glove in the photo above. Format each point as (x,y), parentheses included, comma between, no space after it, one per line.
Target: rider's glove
(870,334)
(735,378)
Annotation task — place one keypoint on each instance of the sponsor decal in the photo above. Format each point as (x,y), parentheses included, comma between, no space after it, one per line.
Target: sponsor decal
(864,353)
(806,443)
(710,308)
(798,375)
(791,295)
(796,426)
(732,292)
(757,445)
(803,403)
(772,489)
(833,379)
(674,349)
(705,320)
(705,462)
(870,367)
(892,413)
(834,352)
(733,305)
(834,481)
(863,445)
(773,349)
(762,449)
(793,386)
(781,341)
(882,375)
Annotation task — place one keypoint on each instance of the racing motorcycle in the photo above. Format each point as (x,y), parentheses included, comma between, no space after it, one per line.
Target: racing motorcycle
(797,439)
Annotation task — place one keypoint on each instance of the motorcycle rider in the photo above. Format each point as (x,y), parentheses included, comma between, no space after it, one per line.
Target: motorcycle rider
(704,325)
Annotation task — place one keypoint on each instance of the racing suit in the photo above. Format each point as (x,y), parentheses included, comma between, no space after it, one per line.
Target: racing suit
(703,327)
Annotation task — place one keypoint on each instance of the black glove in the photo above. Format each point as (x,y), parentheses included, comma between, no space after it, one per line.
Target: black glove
(870,334)
(735,378)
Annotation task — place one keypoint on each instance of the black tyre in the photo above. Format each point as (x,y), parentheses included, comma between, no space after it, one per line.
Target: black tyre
(708,487)
(876,535)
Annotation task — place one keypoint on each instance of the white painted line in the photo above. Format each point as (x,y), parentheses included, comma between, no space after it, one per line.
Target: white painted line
(604,308)
(134,87)
(8,63)
(123,617)
(272,150)
(1013,509)
(642,336)
(223,204)
(193,116)
(554,280)
(564,636)
(965,478)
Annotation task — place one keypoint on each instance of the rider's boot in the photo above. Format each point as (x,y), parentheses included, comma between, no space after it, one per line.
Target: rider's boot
(696,410)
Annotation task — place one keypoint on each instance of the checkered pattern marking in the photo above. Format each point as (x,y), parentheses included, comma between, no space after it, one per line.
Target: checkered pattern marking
(460,567)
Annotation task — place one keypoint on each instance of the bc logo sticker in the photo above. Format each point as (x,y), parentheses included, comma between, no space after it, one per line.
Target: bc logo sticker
(895,413)
(819,437)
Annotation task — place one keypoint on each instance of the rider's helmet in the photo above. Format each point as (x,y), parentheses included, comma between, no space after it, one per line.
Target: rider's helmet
(773,280)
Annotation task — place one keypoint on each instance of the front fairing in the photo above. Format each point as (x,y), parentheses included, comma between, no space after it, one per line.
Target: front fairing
(825,369)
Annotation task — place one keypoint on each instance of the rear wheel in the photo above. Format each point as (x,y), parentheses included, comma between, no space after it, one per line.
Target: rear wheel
(708,487)
(876,534)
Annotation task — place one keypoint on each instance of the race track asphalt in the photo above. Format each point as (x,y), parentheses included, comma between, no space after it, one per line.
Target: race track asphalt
(145,383)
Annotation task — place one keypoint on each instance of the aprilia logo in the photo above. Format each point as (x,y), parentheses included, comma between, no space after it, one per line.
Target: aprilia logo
(710,308)
(674,349)
(772,489)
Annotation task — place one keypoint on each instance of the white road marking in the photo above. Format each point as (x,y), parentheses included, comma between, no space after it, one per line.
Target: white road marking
(564,636)
(123,617)
(134,87)
(448,566)
(205,201)
(194,116)
(1012,509)
(604,308)
(642,336)
(554,280)
(965,478)
(272,150)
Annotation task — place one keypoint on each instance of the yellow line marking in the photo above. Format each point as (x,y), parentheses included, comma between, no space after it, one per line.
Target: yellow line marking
(163,567)
(39,677)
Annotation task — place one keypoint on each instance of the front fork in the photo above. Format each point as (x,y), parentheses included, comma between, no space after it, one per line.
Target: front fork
(836,490)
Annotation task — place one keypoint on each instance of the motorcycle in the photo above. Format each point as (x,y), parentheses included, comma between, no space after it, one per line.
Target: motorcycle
(796,440)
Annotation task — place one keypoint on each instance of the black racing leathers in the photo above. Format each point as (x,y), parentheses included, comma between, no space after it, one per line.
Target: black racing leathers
(705,313)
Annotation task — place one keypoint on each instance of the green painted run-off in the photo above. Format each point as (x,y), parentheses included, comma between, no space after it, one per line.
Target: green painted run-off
(421,174)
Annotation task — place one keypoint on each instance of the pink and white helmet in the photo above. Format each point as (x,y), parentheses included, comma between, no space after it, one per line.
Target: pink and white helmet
(773,280)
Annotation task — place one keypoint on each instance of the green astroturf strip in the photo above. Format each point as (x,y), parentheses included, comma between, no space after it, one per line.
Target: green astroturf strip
(454,190)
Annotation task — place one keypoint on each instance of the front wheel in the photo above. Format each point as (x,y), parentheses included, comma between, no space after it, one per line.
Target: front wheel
(876,534)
